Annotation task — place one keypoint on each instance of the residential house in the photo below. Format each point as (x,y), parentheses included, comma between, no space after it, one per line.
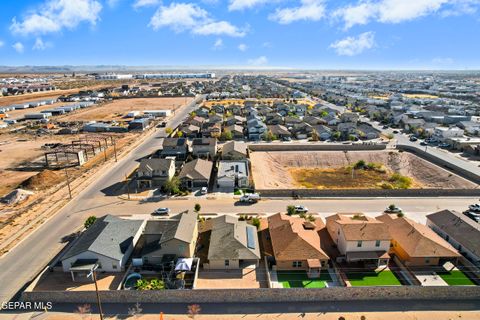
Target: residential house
(174,236)
(107,244)
(330,119)
(155,172)
(415,244)
(349,117)
(234,120)
(347,128)
(323,132)
(470,127)
(274,118)
(411,124)
(279,131)
(236,131)
(256,129)
(313,121)
(232,174)
(234,150)
(302,130)
(360,239)
(175,147)
(291,121)
(197,121)
(459,230)
(233,244)
(211,130)
(444,133)
(190,131)
(296,244)
(204,148)
(196,174)
(367,132)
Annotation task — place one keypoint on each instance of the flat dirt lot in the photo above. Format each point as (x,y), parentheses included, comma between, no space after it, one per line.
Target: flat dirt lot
(117,109)
(277,170)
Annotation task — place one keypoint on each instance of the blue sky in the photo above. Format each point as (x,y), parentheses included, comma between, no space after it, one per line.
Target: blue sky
(324,34)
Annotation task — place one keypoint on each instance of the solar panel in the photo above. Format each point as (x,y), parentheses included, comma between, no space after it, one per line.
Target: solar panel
(250,238)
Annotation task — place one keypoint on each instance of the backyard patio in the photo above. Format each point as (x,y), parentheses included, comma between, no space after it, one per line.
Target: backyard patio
(299,279)
(362,278)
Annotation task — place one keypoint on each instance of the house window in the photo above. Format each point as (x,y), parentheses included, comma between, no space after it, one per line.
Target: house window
(227,263)
(297,264)
(377,243)
(359,244)
(114,266)
(427,260)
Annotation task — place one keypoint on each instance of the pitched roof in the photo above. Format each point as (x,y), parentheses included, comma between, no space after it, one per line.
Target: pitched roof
(292,241)
(196,169)
(240,147)
(181,228)
(229,240)
(358,227)
(108,236)
(417,239)
(204,141)
(174,142)
(459,227)
(155,164)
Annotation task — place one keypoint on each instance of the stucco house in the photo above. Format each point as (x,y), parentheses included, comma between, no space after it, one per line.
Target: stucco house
(196,174)
(232,173)
(233,244)
(296,244)
(415,244)
(155,172)
(234,150)
(204,148)
(360,239)
(108,244)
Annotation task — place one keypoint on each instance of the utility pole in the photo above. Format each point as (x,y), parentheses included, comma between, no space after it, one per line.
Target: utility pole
(94,277)
(68,183)
(105,152)
(128,186)
(115,149)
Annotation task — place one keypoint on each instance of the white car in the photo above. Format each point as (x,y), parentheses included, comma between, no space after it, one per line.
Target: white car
(204,190)
(161,212)
(301,209)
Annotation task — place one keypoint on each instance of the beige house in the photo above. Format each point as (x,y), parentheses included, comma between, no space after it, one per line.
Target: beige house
(233,244)
(416,244)
(155,172)
(234,150)
(176,236)
(360,239)
(296,244)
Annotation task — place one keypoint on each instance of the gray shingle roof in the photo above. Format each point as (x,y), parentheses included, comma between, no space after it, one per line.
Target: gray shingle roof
(109,236)
(197,169)
(228,240)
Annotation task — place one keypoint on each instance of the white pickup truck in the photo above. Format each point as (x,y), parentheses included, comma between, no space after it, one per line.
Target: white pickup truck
(250,198)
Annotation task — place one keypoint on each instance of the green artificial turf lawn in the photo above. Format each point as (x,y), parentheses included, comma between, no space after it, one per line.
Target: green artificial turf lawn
(299,279)
(456,278)
(372,278)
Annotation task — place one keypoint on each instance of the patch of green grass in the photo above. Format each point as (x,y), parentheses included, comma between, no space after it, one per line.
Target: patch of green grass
(237,192)
(299,279)
(372,278)
(456,278)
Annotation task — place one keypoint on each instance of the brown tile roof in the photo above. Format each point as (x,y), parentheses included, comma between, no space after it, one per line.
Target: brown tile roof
(356,226)
(417,239)
(291,241)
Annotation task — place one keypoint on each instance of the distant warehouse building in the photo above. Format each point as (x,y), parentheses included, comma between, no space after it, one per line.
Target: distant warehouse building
(158,113)
(139,124)
(207,75)
(37,116)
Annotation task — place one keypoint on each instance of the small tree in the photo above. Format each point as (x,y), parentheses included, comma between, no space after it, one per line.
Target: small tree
(90,220)
(291,210)
(226,135)
(336,135)
(168,131)
(179,134)
(256,222)
(392,207)
(197,207)
(172,186)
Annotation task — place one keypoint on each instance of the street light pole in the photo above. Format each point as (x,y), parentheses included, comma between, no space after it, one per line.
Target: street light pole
(68,183)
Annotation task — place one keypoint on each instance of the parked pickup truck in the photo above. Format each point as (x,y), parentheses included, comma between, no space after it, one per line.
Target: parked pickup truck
(250,198)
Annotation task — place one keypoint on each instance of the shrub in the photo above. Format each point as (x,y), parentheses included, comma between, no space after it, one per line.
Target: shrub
(400,182)
(360,164)
(256,222)
(400,214)
(386,186)
(197,207)
(90,220)
(291,210)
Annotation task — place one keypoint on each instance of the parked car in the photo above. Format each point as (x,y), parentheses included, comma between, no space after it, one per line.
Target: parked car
(413,138)
(423,143)
(474,207)
(162,124)
(385,127)
(472,215)
(301,209)
(161,212)
(204,190)
(444,145)
(250,198)
(393,209)
(396,131)
(286,139)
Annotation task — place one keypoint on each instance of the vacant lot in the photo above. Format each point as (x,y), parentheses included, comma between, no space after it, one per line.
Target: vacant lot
(118,109)
(326,169)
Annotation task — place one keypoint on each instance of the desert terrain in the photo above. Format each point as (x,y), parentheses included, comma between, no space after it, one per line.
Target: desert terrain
(117,109)
(284,170)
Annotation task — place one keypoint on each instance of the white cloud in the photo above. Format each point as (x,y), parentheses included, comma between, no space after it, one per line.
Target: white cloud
(2,43)
(145,3)
(40,45)
(242,47)
(313,10)
(19,47)
(112,3)
(396,11)
(188,16)
(54,15)
(351,46)
(260,61)
(442,61)
(245,4)
(267,44)
(218,44)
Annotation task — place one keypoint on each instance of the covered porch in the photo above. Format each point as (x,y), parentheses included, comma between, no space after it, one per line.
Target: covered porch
(369,259)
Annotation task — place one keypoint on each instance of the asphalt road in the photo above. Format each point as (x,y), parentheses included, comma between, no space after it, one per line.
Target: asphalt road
(28,258)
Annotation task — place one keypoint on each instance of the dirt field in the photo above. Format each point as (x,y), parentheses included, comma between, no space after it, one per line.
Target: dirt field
(117,109)
(273,170)
(17,114)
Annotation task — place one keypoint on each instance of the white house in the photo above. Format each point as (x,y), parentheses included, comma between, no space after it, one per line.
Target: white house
(444,133)
(232,174)
(360,238)
(107,243)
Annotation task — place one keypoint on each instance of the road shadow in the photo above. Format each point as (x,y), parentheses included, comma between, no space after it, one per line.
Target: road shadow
(115,189)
